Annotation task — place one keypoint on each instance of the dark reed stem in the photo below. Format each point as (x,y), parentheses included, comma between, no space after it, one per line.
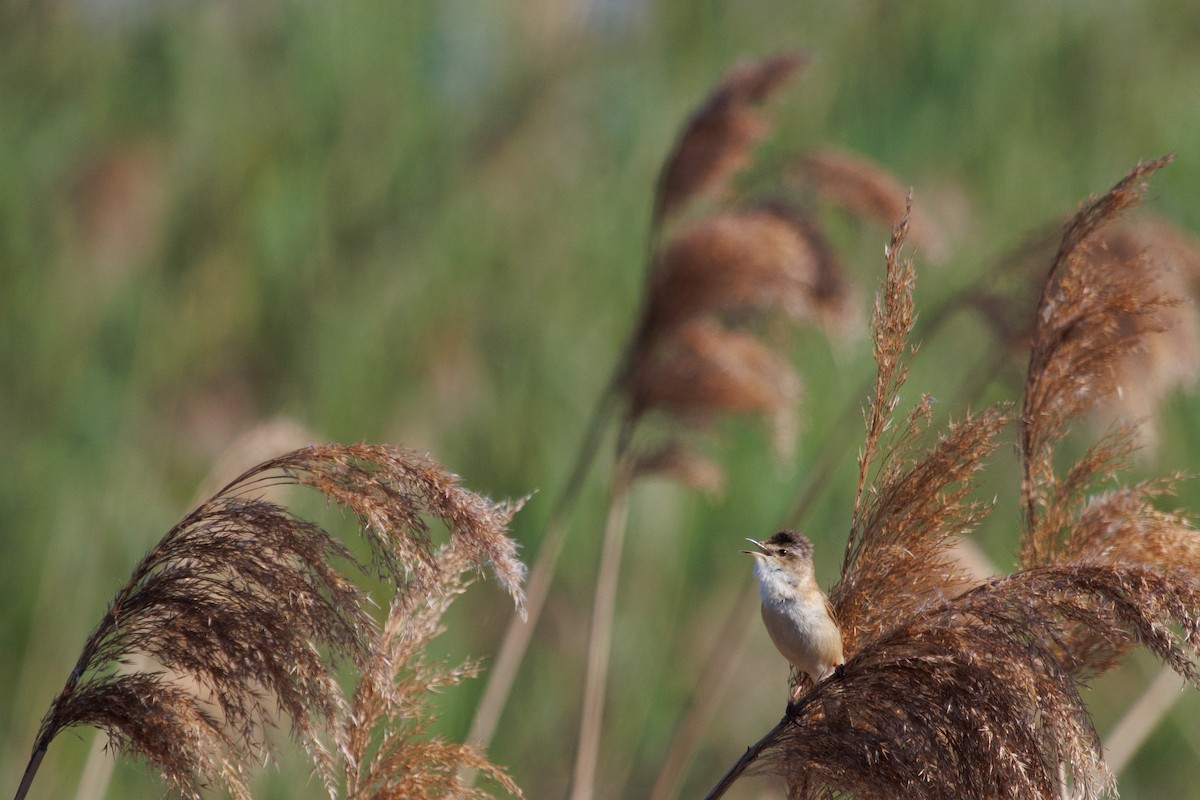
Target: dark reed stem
(748,758)
(31,769)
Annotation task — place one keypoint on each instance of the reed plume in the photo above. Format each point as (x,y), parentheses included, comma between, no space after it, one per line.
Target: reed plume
(694,355)
(957,690)
(866,190)
(391,755)
(1169,356)
(1086,317)
(715,142)
(245,615)
(1161,263)
(909,514)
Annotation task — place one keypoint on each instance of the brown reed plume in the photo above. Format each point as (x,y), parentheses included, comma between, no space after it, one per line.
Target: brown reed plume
(694,354)
(950,691)
(244,614)
(1086,318)
(908,515)
(716,141)
(1169,356)
(740,263)
(1161,262)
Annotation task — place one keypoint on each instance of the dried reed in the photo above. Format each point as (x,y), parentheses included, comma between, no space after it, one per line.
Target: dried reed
(692,356)
(702,285)
(1080,329)
(959,690)
(1160,262)
(244,615)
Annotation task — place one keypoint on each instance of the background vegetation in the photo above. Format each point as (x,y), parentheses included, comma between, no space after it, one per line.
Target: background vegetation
(424,223)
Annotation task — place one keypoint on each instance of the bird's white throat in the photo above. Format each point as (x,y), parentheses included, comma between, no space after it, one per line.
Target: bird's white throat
(776,585)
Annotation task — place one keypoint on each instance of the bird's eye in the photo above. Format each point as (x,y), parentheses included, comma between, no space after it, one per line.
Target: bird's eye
(783,554)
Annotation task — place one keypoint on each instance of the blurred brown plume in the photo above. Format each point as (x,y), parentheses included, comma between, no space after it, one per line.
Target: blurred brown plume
(715,142)
(866,190)
(954,690)
(244,611)
(695,352)
(1089,315)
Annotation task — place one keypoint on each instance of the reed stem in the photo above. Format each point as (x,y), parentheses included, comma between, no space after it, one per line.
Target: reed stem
(520,629)
(31,769)
(583,782)
(748,758)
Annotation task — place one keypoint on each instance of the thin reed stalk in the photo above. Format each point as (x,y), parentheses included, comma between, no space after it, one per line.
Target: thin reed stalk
(1141,718)
(583,781)
(519,632)
(714,681)
(31,769)
(749,757)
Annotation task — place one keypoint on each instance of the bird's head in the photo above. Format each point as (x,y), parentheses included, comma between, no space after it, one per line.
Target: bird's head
(786,551)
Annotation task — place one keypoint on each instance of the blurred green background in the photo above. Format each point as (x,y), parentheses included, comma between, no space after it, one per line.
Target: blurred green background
(423,223)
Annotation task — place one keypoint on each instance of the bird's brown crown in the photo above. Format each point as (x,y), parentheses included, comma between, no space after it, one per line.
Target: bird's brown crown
(791,540)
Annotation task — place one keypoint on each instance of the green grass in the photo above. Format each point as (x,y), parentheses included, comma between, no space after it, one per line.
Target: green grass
(423,223)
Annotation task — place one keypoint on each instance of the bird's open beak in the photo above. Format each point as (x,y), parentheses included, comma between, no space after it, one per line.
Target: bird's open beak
(762,550)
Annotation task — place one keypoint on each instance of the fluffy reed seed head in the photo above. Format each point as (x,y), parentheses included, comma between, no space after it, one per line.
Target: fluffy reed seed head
(244,613)
(740,264)
(705,368)
(1145,262)
(1086,319)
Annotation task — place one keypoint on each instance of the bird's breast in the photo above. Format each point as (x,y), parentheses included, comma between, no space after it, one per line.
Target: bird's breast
(803,631)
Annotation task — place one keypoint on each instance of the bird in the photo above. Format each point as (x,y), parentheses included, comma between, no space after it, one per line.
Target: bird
(795,611)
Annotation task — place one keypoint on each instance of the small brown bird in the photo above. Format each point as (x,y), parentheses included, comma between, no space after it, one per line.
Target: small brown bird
(795,610)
